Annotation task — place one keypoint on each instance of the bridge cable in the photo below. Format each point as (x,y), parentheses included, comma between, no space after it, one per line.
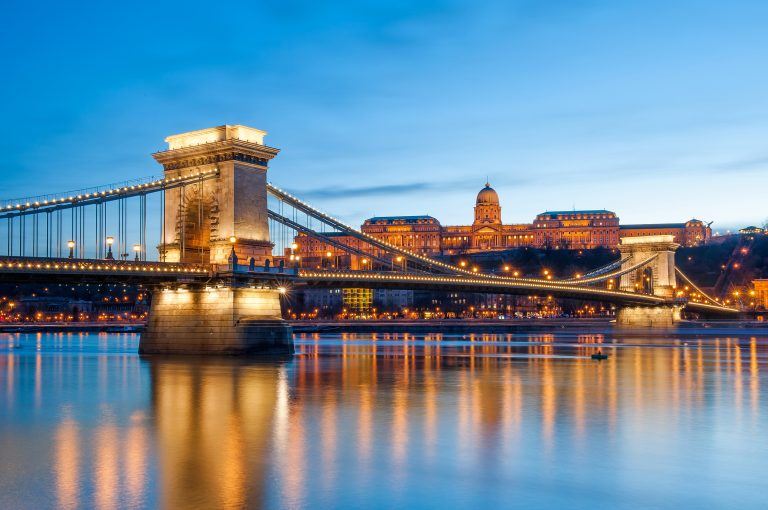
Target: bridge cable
(697,289)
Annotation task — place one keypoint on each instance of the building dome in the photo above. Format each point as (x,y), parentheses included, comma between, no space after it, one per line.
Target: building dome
(487,195)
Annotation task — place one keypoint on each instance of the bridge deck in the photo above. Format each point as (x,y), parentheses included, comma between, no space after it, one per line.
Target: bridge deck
(44,269)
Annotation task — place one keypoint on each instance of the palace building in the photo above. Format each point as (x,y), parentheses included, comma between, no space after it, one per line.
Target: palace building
(585,229)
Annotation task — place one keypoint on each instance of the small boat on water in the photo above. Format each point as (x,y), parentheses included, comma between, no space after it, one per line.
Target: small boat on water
(599,355)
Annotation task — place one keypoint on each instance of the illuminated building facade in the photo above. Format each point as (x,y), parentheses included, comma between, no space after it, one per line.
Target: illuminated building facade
(761,293)
(577,229)
(357,301)
(691,233)
(421,234)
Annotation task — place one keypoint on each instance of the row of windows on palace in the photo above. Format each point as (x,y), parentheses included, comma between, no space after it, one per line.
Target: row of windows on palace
(557,230)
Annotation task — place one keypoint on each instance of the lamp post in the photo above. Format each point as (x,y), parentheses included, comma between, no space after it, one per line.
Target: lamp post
(328,256)
(232,254)
(71,245)
(137,250)
(110,241)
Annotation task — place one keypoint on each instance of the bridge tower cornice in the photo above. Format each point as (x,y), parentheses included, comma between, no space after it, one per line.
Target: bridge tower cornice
(216,152)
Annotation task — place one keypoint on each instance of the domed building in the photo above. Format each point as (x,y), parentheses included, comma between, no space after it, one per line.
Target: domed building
(487,231)
(487,208)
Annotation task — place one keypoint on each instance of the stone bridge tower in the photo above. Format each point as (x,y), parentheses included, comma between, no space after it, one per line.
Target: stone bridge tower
(656,278)
(201,218)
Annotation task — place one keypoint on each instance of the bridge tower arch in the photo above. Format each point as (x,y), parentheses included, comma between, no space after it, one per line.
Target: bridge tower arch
(657,278)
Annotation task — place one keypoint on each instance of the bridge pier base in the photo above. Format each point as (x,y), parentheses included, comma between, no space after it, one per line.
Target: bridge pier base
(216,320)
(648,316)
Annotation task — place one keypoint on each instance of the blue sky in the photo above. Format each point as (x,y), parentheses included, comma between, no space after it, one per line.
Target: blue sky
(654,109)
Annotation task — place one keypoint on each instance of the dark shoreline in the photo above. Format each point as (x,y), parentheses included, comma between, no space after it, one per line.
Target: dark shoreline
(72,328)
(513,326)
(427,327)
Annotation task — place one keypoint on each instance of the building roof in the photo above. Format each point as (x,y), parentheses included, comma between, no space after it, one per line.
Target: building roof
(389,220)
(649,226)
(330,234)
(582,211)
(487,195)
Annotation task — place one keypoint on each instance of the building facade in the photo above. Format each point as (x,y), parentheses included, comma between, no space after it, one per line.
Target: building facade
(582,229)
(691,233)
(761,293)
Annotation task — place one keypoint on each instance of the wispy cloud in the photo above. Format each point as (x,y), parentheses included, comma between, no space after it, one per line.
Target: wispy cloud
(336,192)
(743,165)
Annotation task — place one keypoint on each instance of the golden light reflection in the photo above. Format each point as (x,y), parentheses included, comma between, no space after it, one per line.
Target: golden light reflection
(106,457)
(214,420)
(754,377)
(67,464)
(137,445)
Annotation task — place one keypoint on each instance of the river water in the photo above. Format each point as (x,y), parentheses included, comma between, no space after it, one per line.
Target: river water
(387,421)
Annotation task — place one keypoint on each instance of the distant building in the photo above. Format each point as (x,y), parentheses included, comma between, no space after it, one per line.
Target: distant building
(392,299)
(576,229)
(761,293)
(357,301)
(751,230)
(423,234)
(691,233)
(420,234)
(327,300)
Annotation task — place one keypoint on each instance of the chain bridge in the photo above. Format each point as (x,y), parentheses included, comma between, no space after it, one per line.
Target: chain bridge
(218,252)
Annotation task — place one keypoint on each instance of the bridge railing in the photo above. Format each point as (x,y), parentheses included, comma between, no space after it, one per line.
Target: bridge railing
(257,269)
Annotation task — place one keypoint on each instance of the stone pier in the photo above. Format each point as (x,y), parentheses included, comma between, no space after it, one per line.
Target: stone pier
(648,316)
(223,320)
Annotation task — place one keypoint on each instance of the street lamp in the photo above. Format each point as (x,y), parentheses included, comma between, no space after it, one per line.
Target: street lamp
(110,241)
(137,250)
(365,263)
(71,245)
(232,254)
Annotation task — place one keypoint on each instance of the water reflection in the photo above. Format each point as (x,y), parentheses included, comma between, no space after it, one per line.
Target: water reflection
(355,421)
(213,420)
